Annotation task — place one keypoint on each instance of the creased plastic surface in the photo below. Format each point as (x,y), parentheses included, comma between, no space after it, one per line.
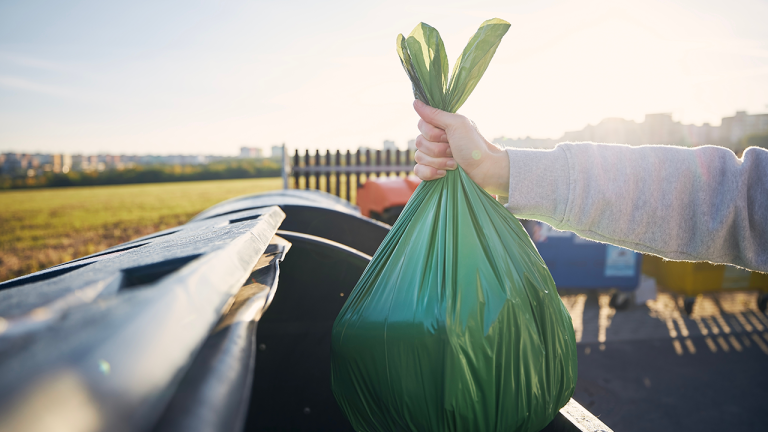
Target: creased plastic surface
(456,324)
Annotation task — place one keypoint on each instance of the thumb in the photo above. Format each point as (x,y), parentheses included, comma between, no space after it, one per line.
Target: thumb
(434,116)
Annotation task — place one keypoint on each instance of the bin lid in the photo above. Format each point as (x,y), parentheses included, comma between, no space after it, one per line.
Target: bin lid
(304,197)
(107,337)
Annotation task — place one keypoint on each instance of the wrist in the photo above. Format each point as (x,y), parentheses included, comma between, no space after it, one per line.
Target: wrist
(496,174)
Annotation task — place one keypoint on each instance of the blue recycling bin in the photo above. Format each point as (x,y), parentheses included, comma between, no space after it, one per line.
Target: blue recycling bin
(579,263)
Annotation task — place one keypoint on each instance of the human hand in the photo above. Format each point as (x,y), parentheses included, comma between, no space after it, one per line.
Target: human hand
(450,140)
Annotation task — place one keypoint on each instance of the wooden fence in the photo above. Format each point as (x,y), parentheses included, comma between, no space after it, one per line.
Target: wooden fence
(342,174)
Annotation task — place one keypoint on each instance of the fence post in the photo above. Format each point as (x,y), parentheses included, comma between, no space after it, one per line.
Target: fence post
(408,157)
(359,163)
(338,173)
(349,175)
(296,169)
(317,165)
(328,172)
(368,162)
(388,160)
(286,168)
(306,170)
(397,161)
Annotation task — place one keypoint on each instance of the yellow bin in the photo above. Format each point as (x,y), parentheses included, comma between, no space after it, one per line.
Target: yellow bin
(693,278)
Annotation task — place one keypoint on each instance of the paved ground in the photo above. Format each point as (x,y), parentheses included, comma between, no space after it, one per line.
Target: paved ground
(652,368)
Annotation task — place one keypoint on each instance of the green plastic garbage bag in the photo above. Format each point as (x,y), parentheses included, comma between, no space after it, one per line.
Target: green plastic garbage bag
(456,324)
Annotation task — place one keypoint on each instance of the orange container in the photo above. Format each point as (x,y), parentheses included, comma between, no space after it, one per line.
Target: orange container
(383,198)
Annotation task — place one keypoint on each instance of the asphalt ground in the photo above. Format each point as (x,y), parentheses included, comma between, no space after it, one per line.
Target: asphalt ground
(653,368)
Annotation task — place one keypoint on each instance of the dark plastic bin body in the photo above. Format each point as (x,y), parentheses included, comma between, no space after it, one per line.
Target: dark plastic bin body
(584,264)
(221,324)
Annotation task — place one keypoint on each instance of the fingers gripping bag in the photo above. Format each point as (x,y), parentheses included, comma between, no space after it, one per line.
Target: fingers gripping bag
(455,324)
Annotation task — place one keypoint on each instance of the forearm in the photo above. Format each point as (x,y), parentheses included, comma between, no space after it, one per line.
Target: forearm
(684,204)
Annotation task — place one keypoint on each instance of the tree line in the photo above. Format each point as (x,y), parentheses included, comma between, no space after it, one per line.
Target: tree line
(219,170)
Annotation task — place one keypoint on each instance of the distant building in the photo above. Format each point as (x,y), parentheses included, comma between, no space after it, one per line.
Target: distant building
(66,163)
(662,129)
(702,135)
(91,163)
(412,145)
(610,130)
(11,164)
(111,161)
(77,162)
(733,129)
(22,164)
(57,161)
(250,152)
(389,145)
(277,151)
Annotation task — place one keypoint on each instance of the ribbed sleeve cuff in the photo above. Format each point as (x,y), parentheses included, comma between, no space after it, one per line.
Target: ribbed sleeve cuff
(539,184)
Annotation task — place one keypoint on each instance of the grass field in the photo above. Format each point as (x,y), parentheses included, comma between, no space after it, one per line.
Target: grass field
(45,227)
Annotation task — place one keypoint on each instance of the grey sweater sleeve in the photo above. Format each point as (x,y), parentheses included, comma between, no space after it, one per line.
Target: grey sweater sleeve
(701,204)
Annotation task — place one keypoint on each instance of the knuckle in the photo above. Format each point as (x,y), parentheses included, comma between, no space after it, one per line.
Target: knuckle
(422,172)
(425,145)
(418,157)
(435,135)
(417,171)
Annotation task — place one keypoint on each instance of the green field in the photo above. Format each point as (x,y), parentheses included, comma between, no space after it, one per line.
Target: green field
(45,227)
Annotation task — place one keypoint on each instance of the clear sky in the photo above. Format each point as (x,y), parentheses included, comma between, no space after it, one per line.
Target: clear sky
(206,77)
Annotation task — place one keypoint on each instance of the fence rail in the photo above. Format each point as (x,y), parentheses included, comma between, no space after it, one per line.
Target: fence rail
(309,171)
